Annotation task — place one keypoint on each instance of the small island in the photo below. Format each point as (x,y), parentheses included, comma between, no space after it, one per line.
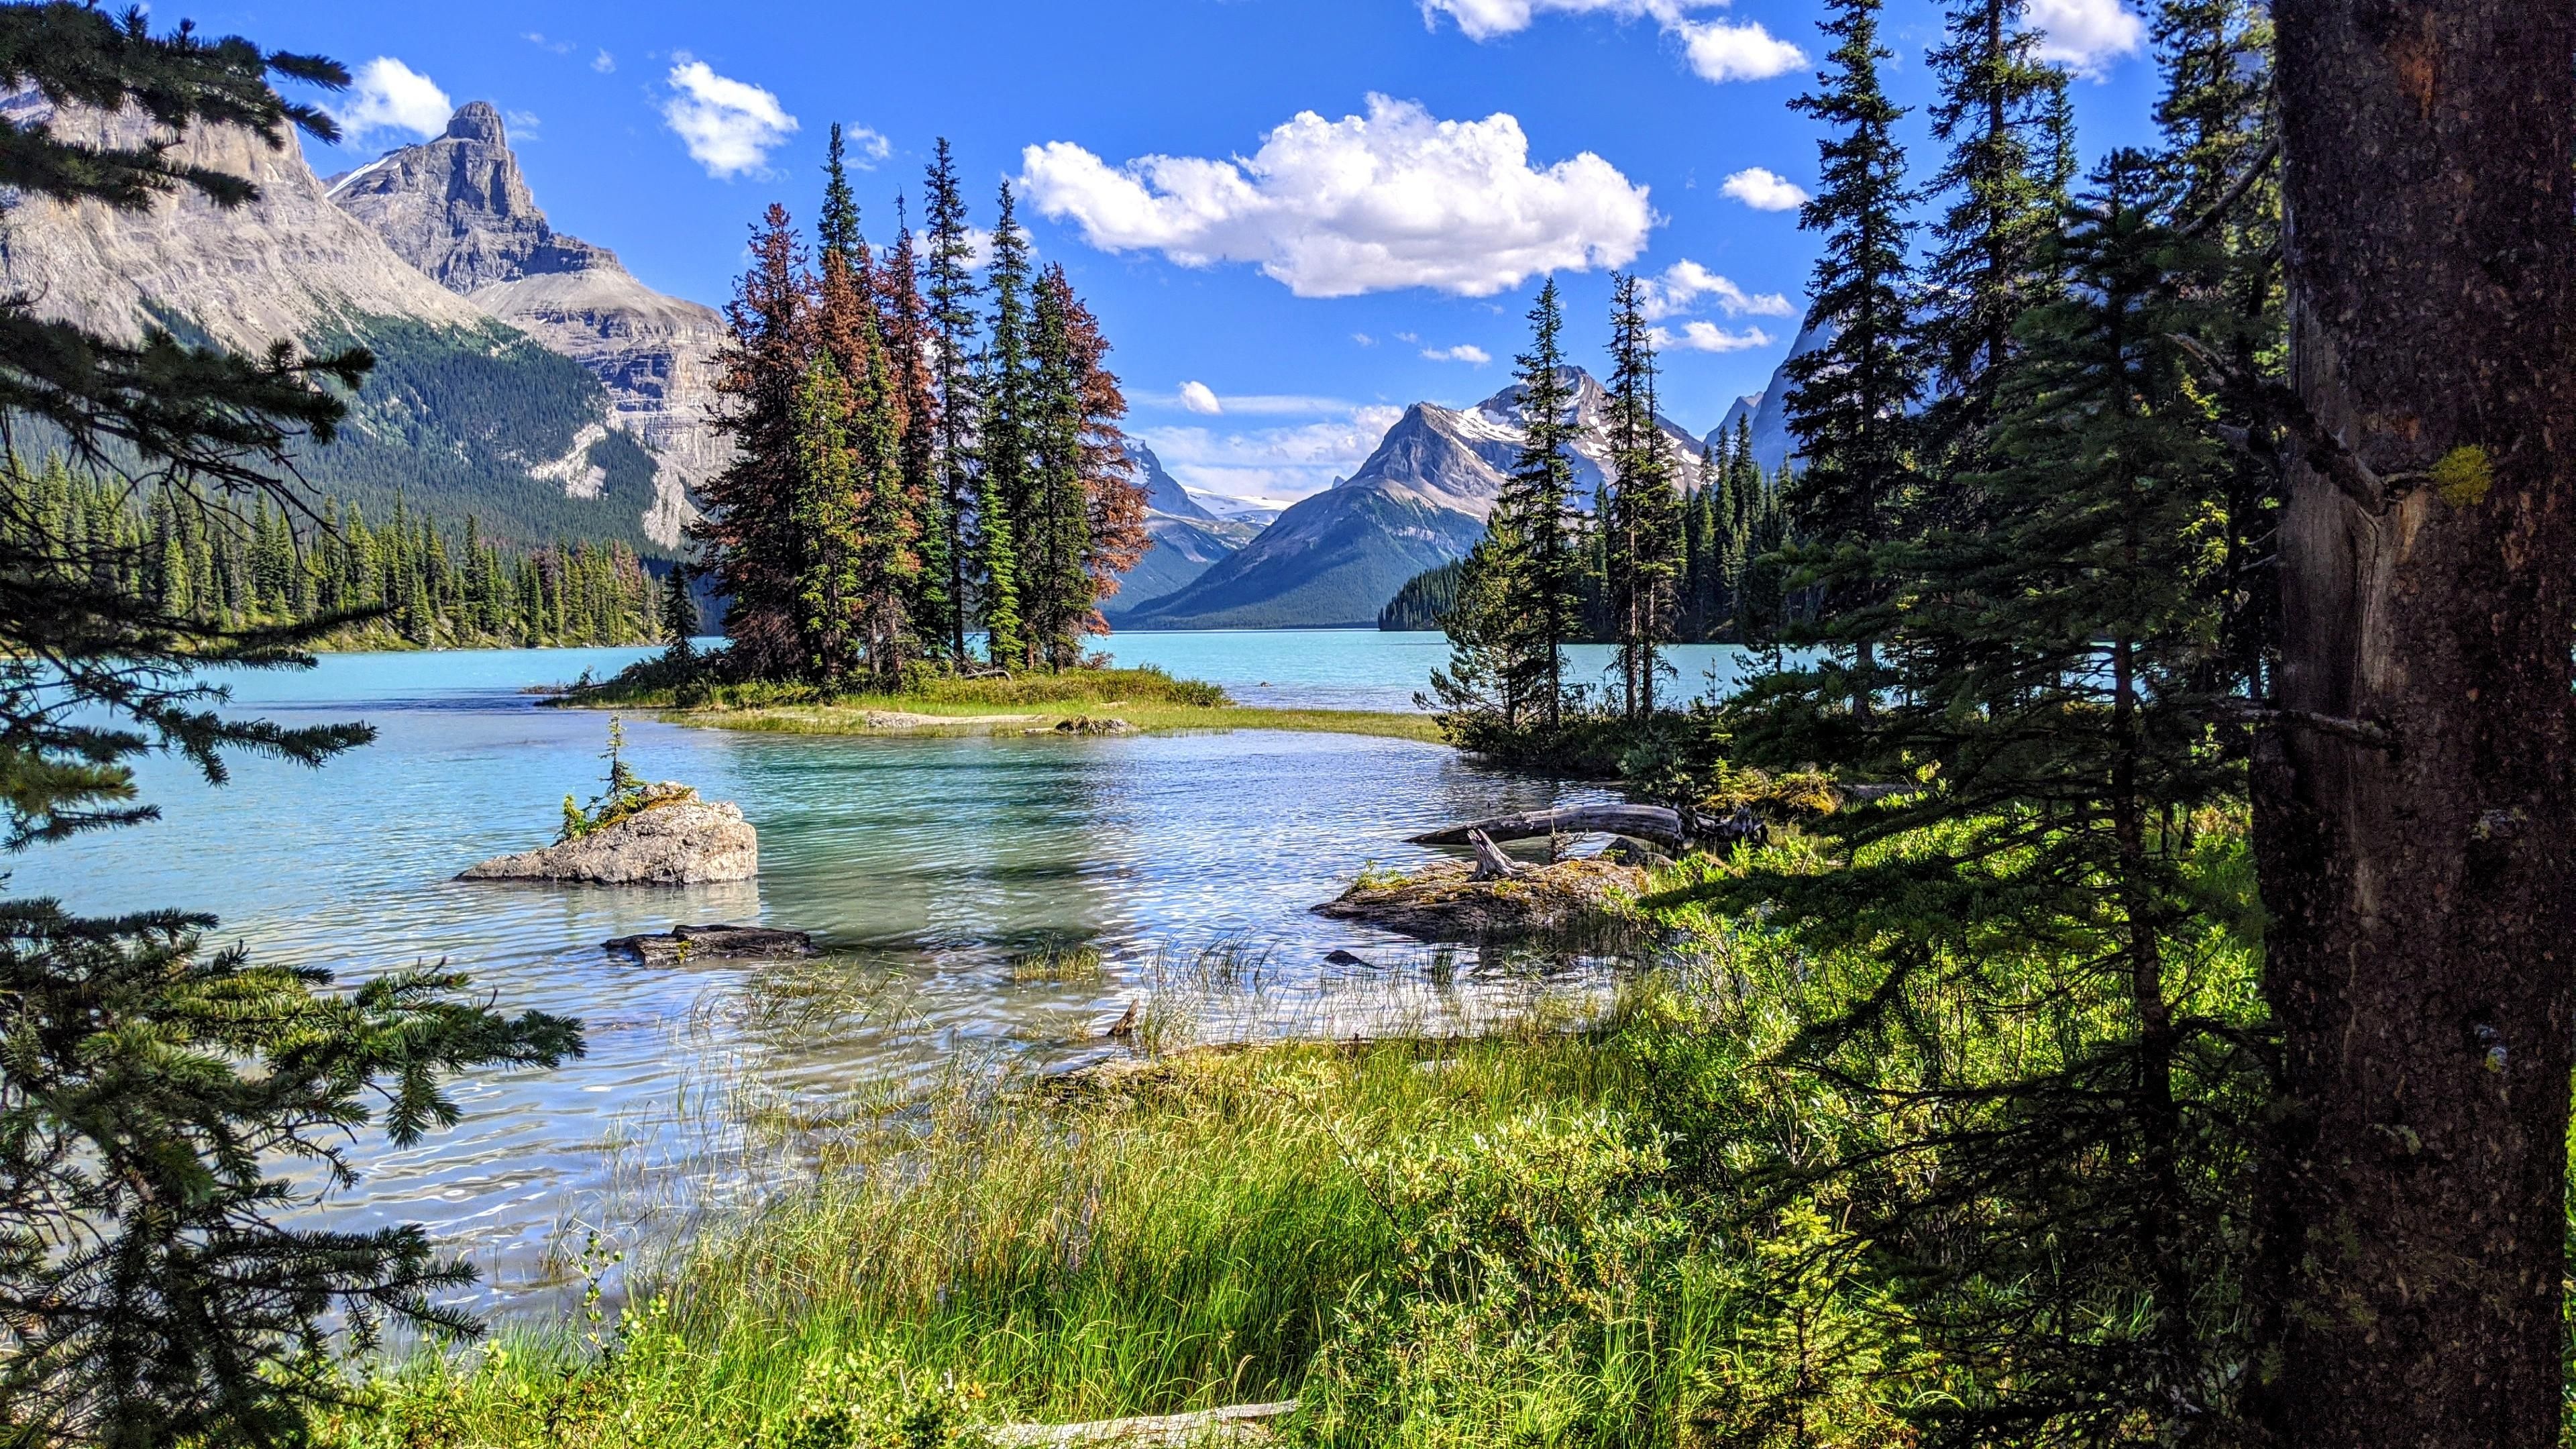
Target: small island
(637,833)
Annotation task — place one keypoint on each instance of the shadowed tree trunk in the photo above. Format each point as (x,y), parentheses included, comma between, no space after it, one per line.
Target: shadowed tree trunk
(2417,867)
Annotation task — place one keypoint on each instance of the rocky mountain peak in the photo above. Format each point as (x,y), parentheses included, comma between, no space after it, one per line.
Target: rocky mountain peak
(477,121)
(459,208)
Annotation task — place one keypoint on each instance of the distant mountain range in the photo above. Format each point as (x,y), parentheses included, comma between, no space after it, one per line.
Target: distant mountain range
(1419,501)
(492,402)
(1769,408)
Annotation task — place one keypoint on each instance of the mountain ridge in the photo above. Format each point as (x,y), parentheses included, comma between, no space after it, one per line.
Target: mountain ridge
(458,208)
(1420,500)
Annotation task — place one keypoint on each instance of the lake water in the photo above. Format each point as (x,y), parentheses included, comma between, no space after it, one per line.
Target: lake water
(928,865)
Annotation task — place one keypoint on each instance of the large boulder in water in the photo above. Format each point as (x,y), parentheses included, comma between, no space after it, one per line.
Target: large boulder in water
(685,842)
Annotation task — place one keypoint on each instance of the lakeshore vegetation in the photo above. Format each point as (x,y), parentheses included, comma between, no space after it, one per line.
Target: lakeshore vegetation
(403,582)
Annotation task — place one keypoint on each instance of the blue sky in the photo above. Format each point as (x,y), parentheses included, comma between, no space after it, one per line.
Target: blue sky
(1358,197)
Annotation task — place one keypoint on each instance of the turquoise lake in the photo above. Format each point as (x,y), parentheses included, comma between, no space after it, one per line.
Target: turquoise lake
(928,866)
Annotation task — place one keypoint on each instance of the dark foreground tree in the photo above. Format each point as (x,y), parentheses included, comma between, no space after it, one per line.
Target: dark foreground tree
(2416,794)
(148,1293)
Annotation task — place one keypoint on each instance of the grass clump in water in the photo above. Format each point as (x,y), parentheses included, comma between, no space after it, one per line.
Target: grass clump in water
(1060,963)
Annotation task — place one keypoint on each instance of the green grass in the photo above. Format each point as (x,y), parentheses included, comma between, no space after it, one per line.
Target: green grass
(1147,698)
(1188,1235)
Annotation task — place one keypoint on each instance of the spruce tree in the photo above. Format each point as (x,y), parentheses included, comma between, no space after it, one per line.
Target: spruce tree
(2052,1102)
(1541,560)
(952,324)
(1005,483)
(828,543)
(1110,502)
(1848,399)
(1995,111)
(748,539)
(1641,526)
(910,348)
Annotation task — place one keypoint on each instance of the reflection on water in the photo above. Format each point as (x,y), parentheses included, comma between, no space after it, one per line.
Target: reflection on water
(926,864)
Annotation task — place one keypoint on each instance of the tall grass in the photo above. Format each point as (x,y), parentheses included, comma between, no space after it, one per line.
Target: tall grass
(1181,1234)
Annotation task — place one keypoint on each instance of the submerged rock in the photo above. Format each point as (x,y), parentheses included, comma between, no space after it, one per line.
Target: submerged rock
(682,942)
(1446,902)
(1083,724)
(685,842)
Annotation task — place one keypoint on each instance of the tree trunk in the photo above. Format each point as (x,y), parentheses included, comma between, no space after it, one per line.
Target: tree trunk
(2423,915)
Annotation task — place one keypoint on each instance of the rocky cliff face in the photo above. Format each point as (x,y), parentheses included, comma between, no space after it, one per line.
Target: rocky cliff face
(458,208)
(281,267)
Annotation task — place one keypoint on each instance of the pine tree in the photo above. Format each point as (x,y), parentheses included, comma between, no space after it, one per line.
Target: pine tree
(1641,528)
(952,325)
(1005,484)
(1542,562)
(1848,399)
(747,540)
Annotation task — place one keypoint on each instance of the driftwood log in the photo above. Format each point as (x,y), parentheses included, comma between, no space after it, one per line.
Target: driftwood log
(1659,824)
(1238,1423)
(1491,863)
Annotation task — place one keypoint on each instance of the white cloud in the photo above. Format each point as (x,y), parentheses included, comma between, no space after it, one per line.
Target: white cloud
(1198,397)
(559,47)
(1363,339)
(868,146)
(729,126)
(1764,189)
(1373,203)
(1485,19)
(1709,337)
(1717,51)
(1466,352)
(1722,52)
(2085,36)
(1685,282)
(603,62)
(1285,463)
(523,124)
(390,96)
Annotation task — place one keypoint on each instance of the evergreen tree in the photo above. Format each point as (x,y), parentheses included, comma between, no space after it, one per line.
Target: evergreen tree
(836,229)
(2216,116)
(152,1092)
(679,616)
(2050,703)
(1005,484)
(828,538)
(1848,398)
(952,327)
(1996,108)
(1087,522)
(910,347)
(1542,561)
(1641,523)
(747,540)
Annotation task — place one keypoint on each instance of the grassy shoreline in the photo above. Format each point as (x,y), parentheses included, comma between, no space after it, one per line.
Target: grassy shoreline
(1146,699)
(1207,1228)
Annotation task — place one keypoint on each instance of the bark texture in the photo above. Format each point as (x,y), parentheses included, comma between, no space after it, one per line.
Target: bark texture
(2424,914)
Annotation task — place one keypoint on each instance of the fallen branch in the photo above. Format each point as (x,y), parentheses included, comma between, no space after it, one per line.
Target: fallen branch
(1233,1424)
(1647,822)
(1491,863)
